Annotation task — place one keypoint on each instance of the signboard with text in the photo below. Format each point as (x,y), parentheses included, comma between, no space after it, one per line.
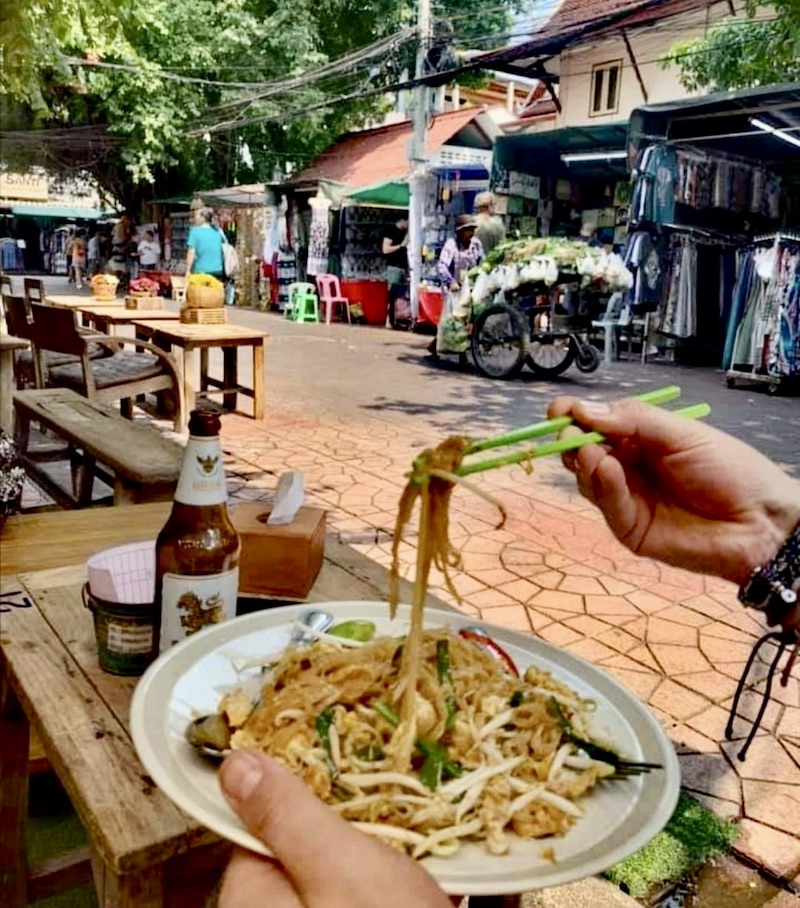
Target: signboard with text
(28,187)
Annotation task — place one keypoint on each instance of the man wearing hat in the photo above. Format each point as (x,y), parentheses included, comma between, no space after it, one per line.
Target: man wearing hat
(460,253)
(490,231)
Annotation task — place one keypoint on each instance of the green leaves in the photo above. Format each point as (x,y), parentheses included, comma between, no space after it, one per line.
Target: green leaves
(159,122)
(743,53)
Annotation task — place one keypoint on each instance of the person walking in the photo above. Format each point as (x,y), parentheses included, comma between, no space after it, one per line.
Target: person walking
(204,247)
(460,253)
(76,254)
(395,249)
(491,230)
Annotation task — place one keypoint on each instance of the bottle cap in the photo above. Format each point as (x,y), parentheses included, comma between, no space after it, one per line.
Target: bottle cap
(204,423)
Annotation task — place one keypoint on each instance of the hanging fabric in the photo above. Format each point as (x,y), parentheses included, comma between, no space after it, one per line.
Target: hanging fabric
(764,324)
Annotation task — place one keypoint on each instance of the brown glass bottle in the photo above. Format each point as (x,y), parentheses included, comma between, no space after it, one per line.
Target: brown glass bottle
(197,551)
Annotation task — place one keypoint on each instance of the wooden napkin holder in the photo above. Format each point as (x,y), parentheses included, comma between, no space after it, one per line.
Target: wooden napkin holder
(279,560)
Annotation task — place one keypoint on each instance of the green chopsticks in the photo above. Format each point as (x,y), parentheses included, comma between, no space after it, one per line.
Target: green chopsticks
(562,445)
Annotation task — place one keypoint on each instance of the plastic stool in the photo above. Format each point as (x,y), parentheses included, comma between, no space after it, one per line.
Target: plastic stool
(303,305)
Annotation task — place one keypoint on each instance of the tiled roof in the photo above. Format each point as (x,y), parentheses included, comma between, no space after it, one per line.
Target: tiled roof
(572,14)
(576,20)
(375,155)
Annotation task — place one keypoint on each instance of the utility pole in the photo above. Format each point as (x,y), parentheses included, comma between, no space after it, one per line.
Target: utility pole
(417,155)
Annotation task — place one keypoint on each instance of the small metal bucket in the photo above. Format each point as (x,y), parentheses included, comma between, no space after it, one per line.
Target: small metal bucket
(124,632)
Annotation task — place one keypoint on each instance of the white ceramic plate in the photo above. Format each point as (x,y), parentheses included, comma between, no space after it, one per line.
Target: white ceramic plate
(621,817)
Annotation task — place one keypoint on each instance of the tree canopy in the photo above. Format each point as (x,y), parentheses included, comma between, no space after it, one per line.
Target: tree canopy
(175,96)
(762,49)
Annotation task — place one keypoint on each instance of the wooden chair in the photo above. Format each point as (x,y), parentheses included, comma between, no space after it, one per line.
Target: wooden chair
(34,290)
(122,377)
(330,294)
(19,321)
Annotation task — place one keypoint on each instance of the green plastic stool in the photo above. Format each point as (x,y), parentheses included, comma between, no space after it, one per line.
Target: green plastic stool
(303,305)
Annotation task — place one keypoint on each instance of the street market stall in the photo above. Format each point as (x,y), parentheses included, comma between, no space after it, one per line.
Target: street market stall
(716,195)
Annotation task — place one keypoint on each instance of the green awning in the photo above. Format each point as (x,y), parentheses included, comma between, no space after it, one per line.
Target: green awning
(68,212)
(393,193)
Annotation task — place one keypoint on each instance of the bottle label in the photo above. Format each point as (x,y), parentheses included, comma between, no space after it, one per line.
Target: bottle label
(130,639)
(202,479)
(188,604)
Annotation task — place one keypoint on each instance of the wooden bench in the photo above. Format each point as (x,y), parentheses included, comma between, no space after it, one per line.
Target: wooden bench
(132,458)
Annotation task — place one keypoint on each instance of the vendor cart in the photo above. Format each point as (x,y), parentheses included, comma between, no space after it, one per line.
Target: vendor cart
(510,315)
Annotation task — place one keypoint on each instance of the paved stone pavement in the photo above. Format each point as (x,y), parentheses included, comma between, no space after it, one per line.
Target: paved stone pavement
(352,406)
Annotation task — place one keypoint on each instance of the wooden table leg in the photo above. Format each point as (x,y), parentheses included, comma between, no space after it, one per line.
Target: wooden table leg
(204,369)
(259,384)
(230,376)
(189,370)
(7,390)
(131,890)
(15,735)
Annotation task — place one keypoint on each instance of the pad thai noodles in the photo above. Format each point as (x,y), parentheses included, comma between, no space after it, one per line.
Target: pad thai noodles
(493,753)
(427,740)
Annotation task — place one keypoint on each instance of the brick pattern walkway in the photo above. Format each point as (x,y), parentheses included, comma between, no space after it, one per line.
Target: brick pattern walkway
(678,640)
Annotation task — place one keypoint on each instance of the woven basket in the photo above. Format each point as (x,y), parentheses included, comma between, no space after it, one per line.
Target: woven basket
(205,297)
(104,293)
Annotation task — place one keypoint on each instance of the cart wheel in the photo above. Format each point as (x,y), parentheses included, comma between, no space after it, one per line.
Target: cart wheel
(730,382)
(588,358)
(500,341)
(772,388)
(551,355)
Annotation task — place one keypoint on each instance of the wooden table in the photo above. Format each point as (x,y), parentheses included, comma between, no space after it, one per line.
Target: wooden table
(78,300)
(133,458)
(8,347)
(144,852)
(107,318)
(203,338)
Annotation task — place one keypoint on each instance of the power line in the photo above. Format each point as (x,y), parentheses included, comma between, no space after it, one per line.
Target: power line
(341,64)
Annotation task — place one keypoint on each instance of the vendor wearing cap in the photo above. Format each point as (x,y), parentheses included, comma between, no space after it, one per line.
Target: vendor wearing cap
(491,230)
(460,253)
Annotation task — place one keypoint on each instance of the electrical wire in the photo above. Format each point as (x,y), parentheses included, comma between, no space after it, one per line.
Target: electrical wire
(377,48)
(609,33)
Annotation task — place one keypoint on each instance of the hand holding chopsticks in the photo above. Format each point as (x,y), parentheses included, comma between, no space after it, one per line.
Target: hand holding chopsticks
(563,445)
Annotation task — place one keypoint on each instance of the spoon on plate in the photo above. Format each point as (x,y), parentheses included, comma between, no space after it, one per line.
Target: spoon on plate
(210,735)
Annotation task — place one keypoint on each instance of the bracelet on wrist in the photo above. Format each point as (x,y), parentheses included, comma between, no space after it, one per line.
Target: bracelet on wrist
(774,587)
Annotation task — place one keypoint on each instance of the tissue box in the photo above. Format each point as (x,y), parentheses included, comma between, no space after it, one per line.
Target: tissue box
(279,560)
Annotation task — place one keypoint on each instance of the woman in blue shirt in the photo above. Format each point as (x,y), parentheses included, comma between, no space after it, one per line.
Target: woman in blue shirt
(205,242)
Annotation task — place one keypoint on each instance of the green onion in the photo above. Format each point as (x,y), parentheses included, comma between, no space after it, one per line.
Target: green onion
(323,724)
(386,713)
(446,678)
(517,699)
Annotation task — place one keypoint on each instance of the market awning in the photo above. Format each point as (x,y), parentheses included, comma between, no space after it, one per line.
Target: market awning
(392,193)
(761,124)
(585,147)
(67,212)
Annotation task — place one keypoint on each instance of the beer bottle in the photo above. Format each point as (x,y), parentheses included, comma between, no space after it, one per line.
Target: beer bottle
(197,551)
